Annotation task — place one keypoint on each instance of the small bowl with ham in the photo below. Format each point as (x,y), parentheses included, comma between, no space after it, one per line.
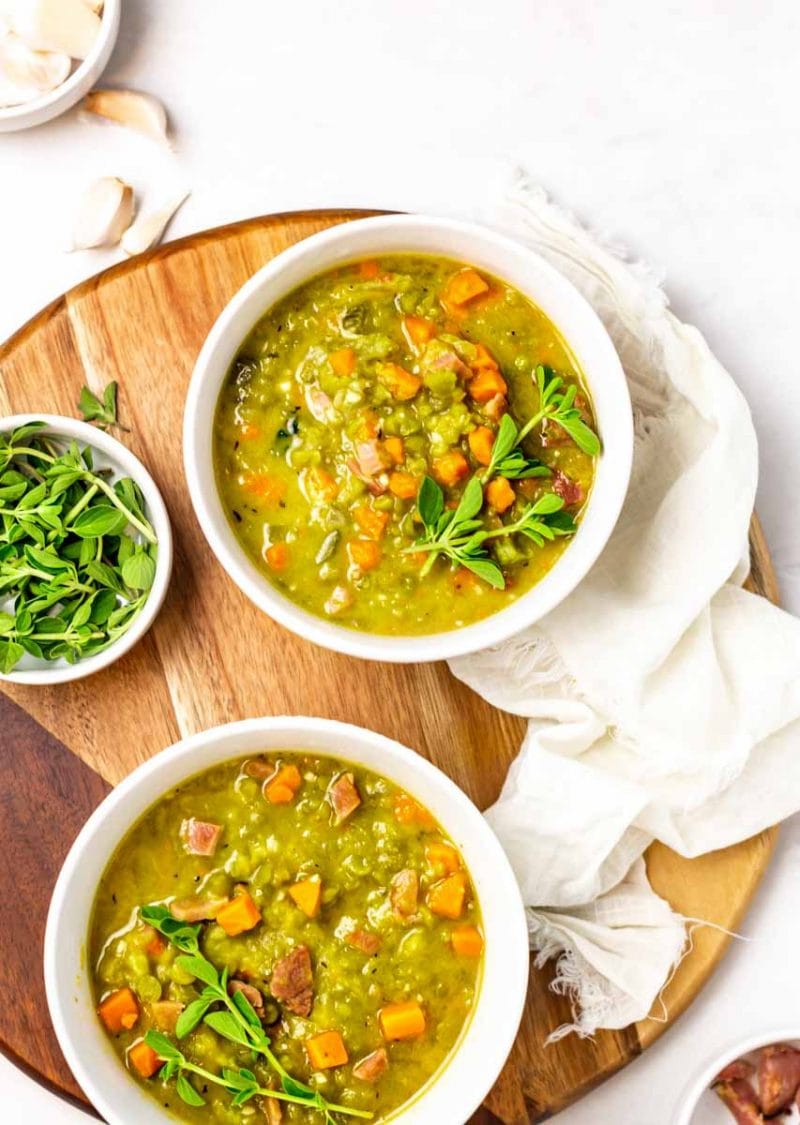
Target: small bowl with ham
(750,1083)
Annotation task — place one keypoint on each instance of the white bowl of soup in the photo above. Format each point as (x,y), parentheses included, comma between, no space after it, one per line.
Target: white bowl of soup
(407,438)
(345,886)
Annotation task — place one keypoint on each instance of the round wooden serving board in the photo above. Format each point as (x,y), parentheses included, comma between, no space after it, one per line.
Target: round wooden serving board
(212,657)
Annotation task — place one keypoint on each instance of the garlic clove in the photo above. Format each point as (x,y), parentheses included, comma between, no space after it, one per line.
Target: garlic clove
(104,214)
(138,111)
(26,74)
(95,5)
(147,231)
(69,26)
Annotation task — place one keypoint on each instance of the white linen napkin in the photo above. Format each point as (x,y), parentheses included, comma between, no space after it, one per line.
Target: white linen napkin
(664,700)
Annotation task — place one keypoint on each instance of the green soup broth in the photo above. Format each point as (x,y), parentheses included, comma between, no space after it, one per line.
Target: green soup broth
(352,390)
(266,847)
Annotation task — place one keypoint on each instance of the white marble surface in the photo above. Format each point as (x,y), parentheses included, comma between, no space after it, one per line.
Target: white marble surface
(673,128)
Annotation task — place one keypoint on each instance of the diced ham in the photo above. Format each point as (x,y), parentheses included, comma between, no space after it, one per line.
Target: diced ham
(449,361)
(740,1098)
(552,434)
(320,405)
(292,981)
(197,909)
(344,797)
(404,893)
(739,1068)
(568,489)
(369,458)
(259,769)
(250,993)
(778,1077)
(496,407)
(271,1108)
(370,1068)
(341,598)
(164,1014)
(365,941)
(376,485)
(200,837)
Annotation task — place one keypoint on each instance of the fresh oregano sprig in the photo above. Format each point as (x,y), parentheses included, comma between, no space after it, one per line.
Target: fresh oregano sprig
(508,459)
(235,1021)
(558,405)
(102,412)
(77,552)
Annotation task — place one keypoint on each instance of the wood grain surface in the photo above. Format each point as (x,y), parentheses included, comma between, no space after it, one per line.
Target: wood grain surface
(211,657)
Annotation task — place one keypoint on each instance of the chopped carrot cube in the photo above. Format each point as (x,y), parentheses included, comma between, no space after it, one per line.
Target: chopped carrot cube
(403,485)
(372,523)
(155,943)
(464,286)
(371,424)
(144,1060)
(409,811)
(486,385)
(369,269)
(446,898)
(418,331)
(395,447)
(249,432)
(119,1011)
(267,488)
(364,553)
(499,494)
(401,1021)
(320,484)
(466,941)
(278,556)
(239,915)
(343,361)
(483,359)
(307,894)
(286,778)
(464,580)
(402,384)
(481,442)
(326,1050)
(451,467)
(443,855)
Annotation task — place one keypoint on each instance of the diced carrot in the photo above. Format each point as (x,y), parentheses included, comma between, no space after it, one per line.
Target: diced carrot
(483,359)
(144,1060)
(401,1021)
(278,556)
(466,941)
(402,384)
(239,915)
(409,811)
(287,779)
(418,331)
(443,855)
(486,385)
(403,485)
(249,432)
(372,523)
(371,424)
(326,1050)
(155,943)
(395,447)
(446,898)
(464,286)
(464,580)
(364,553)
(320,484)
(499,494)
(267,488)
(307,894)
(119,1011)
(481,441)
(369,269)
(343,361)
(451,467)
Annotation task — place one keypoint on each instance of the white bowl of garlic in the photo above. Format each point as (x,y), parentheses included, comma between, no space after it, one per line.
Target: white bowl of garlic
(51,54)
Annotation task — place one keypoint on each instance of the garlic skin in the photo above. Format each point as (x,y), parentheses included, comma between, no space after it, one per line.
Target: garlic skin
(148,229)
(25,74)
(136,110)
(68,26)
(104,214)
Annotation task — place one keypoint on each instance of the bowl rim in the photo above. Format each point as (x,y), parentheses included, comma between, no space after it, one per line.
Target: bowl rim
(467,1075)
(345,242)
(72,428)
(701,1081)
(63,97)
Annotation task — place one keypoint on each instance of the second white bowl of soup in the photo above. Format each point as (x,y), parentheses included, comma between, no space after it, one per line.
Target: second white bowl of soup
(407,438)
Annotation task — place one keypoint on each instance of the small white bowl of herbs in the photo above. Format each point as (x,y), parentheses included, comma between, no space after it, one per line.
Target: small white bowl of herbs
(85,545)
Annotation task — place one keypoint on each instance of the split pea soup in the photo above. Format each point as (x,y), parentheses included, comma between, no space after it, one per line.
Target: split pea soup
(285,935)
(404,445)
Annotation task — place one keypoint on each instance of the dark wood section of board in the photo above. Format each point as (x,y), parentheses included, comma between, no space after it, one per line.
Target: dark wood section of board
(46,794)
